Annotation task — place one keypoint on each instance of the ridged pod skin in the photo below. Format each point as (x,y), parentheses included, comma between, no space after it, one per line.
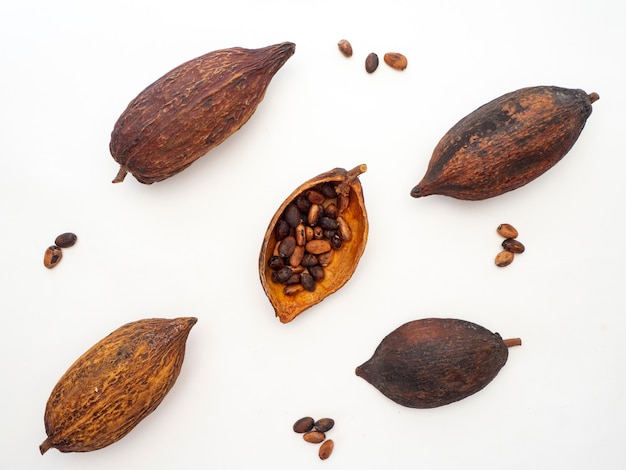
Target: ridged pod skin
(435,361)
(506,143)
(115,384)
(192,109)
(345,260)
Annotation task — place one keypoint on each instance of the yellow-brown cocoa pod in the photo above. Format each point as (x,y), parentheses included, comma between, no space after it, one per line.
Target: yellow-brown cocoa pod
(115,384)
(506,143)
(293,289)
(192,109)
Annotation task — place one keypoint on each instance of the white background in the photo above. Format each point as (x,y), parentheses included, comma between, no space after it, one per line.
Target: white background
(189,246)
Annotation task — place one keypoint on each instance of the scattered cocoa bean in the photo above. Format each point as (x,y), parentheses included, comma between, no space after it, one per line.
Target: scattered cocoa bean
(324,424)
(507,231)
(65,240)
(395,60)
(314,437)
(513,245)
(371,62)
(345,47)
(326,449)
(52,256)
(504,258)
(303,425)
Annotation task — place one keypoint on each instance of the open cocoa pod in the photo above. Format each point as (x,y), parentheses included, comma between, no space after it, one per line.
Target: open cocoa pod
(314,242)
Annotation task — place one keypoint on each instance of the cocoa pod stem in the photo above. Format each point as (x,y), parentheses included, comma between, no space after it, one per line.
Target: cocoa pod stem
(512,342)
(356,171)
(120,175)
(593,97)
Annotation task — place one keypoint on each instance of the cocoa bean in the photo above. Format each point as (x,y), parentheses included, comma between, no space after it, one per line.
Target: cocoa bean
(513,245)
(52,256)
(504,258)
(345,47)
(65,240)
(371,62)
(507,231)
(314,437)
(326,449)
(303,425)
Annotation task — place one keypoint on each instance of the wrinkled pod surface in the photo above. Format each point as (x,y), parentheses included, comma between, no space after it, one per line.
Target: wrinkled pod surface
(115,384)
(192,109)
(435,361)
(506,143)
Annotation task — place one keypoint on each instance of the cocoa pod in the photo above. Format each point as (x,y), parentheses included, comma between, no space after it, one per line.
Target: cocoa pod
(192,109)
(435,361)
(115,384)
(506,143)
(339,264)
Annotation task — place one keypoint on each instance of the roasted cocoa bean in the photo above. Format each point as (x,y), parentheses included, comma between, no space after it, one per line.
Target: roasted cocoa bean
(345,47)
(331,211)
(371,62)
(52,256)
(317,247)
(286,246)
(317,272)
(507,231)
(303,425)
(314,437)
(315,197)
(395,60)
(293,289)
(307,281)
(282,229)
(292,215)
(504,258)
(343,229)
(282,275)
(296,257)
(303,204)
(327,223)
(328,190)
(314,214)
(276,262)
(65,240)
(309,260)
(326,449)
(513,245)
(300,234)
(324,424)
(324,259)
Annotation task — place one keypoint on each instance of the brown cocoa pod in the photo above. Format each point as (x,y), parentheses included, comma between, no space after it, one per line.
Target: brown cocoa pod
(395,60)
(65,240)
(344,261)
(192,109)
(115,384)
(52,256)
(506,143)
(435,361)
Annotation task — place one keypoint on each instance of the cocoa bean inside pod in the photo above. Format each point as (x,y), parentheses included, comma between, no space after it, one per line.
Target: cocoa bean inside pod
(506,143)
(192,109)
(329,261)
(435,361)
(115,384)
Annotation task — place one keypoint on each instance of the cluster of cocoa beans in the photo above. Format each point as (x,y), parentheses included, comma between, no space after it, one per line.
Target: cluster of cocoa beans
(308,232)
(315,432)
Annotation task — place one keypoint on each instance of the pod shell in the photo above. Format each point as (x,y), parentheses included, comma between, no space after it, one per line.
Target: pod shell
(115,384)
(506,143)
(192,109)
(434,361)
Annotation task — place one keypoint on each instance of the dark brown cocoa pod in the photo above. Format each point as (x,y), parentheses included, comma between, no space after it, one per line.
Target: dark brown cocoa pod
(341,263)
(506,143)
(435,361)
(192,109)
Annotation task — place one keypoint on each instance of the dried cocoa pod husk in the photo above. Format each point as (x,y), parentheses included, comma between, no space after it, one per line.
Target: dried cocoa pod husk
(115,384)
(339,265)
(506,143)
(192,109)
(435,361)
